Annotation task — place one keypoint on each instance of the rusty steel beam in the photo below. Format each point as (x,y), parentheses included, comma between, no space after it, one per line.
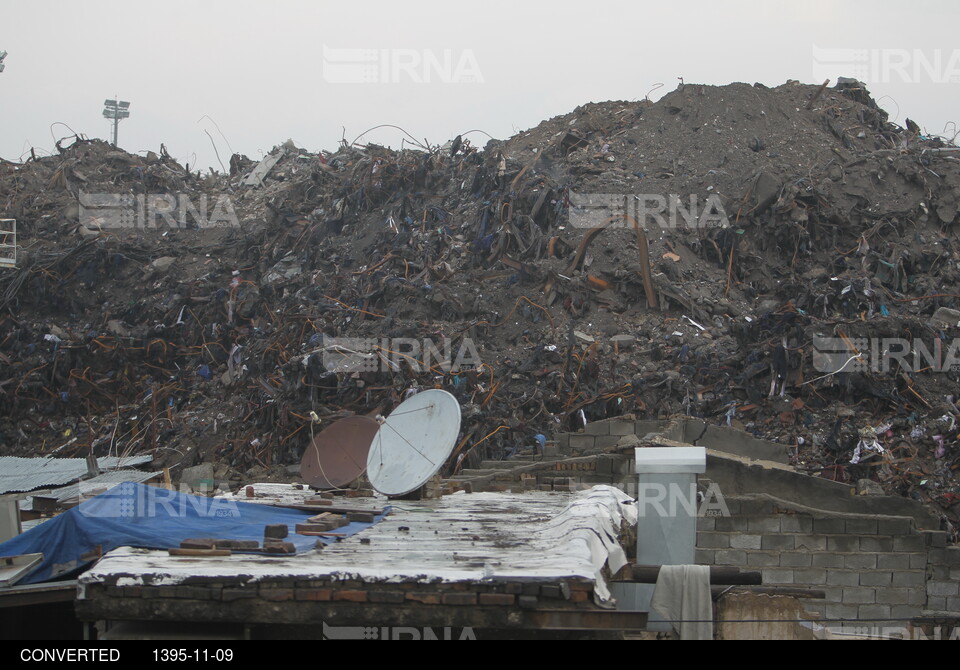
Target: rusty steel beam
(719,575)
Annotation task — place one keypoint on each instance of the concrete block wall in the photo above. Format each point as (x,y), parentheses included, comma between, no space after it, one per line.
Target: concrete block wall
(943,583)
(604,435)
(871,568)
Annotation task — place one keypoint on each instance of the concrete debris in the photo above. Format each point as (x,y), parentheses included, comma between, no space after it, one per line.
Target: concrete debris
(751,256)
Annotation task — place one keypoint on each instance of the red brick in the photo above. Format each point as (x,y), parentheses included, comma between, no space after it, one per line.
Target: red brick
(425,598)
(276,531)
(579,596)
(351,596)
(276,595)
(496,599)
(314,594)
(460,598)
(229,595)
(385,596)
(193,593)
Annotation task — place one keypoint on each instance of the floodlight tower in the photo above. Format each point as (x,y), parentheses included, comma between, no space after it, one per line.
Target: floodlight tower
(116,110)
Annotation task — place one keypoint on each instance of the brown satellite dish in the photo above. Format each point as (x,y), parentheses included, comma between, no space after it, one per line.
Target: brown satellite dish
(338,455)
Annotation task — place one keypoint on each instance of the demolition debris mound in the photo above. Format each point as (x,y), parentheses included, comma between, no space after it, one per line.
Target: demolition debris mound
(774,220)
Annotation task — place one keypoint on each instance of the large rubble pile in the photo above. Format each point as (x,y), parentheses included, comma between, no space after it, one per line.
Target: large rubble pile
(817,217)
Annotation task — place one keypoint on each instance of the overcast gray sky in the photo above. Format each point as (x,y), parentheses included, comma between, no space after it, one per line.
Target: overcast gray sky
(266,72)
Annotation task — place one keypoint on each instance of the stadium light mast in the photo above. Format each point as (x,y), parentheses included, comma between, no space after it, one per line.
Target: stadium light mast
(116,110)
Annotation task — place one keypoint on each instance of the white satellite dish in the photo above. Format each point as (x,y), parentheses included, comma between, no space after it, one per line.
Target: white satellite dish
(413,443)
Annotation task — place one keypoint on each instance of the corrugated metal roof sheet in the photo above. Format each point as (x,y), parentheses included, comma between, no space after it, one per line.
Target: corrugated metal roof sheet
(27,474)
(97,485)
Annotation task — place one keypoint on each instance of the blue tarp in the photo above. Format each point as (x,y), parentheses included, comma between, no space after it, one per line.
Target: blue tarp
(137,515)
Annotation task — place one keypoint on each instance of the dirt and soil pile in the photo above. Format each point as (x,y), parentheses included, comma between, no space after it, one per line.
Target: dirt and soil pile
(202,318)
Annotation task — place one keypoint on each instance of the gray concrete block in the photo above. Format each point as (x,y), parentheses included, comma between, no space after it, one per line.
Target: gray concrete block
(918,561)
(605,465)
(777,542)
(708,540)
(953,605)
(794,523)
(843,543)
(763,559)
(606,441)
(795,559)
(905,612)
(843,578)
(934,538)
(895,526)
(942,588)
(824,560)
(833,594)
(563,442)
(730,557)
(763,524)
(894,596)
(597,428)
(876,543)
(773,576)
(704,556)
(893,561)
(706,523)
(909,578)
(908,543)
(811,542)
(828,525)
(876,578)
(745,541)
(861,526)
(840,612)
(875,612)
(621,465)
(860,562)
(622,427)
(859,596)
(811,576)
(936,604)
(733,505)
(581,442)
(731,524)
